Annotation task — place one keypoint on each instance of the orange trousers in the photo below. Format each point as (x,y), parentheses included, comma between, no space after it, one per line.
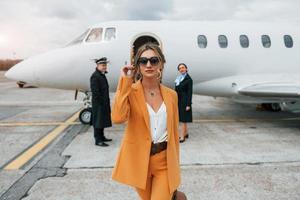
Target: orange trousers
(157,187)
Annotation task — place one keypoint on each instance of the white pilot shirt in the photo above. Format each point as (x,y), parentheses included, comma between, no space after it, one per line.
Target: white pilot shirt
(158,123)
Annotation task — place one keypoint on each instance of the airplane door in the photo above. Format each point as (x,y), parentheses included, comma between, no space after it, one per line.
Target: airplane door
(141,40)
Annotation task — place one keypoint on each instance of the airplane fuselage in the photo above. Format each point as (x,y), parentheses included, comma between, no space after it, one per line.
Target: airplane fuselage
(219,66)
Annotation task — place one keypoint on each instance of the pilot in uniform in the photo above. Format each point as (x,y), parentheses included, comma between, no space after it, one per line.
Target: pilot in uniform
(100,102)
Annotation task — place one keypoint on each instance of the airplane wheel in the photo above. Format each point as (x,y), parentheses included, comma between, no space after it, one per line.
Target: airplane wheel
(266,106)
(275,107)
(85,116)
(20,84)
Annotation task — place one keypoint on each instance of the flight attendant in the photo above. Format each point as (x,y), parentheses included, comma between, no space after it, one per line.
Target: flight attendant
(149,154)
(101,113)
(184,89)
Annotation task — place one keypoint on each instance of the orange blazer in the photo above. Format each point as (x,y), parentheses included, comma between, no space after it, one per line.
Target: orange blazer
(129,106)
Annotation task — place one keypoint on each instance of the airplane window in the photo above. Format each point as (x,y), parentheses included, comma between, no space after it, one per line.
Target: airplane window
(110,34)
(95,35)
(223,42)
(78,39)
(244,41)
(202,41)
(288,41)
(266,41)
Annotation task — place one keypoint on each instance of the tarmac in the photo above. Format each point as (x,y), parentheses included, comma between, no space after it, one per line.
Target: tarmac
(234,151)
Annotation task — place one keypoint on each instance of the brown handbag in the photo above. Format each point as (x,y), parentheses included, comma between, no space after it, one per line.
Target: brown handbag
(177,195)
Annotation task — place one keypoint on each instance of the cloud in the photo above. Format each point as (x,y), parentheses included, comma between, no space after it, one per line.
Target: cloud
(35,26)
(269,10)
(249,10)
(146,10)
(203,9)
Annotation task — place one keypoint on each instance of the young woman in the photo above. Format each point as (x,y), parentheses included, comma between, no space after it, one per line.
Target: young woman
(184,89)
(149,155)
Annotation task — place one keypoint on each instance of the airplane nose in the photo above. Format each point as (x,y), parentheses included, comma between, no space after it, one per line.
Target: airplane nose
(21,72)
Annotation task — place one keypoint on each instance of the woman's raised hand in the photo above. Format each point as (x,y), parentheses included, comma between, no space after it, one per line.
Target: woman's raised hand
(128,71)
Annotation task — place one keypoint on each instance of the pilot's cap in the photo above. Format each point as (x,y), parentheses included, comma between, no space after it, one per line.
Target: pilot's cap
(102,60)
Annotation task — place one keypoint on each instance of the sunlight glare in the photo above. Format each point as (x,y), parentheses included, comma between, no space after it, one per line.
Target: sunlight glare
(3,40)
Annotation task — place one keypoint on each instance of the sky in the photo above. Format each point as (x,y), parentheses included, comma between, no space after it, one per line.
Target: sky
(30,27)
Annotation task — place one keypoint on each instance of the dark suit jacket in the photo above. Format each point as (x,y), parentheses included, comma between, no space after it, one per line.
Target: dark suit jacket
(100,100)
(185,91)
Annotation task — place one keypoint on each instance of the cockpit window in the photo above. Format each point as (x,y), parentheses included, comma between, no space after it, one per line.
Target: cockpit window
(110,34)
(95,35)
(78,39)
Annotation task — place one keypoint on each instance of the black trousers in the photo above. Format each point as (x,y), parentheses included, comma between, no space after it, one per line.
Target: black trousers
(98,134)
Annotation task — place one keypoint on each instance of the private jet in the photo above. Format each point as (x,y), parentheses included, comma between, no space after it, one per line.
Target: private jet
(248,62)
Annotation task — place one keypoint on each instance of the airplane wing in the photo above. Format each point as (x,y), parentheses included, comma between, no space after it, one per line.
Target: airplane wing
(274,90)
(254,87)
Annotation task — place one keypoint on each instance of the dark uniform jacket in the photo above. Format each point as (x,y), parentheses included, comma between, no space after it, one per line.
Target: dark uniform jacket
(185,91)
(100,100)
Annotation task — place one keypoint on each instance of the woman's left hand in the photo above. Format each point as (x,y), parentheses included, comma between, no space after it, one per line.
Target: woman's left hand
(187,108)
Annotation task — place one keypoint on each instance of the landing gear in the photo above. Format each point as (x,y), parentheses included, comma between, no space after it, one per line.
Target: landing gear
(85,116)
(275,107)
(21,84)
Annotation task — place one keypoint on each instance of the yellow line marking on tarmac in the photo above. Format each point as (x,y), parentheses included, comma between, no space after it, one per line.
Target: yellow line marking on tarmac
(3,124)
(39,146)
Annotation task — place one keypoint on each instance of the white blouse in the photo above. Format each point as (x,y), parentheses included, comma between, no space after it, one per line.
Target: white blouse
(158,123)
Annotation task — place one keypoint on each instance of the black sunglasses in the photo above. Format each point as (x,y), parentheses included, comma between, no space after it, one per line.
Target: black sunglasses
(153,61)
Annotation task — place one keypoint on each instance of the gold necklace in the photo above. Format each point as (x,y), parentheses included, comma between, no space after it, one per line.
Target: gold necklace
(152,93)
